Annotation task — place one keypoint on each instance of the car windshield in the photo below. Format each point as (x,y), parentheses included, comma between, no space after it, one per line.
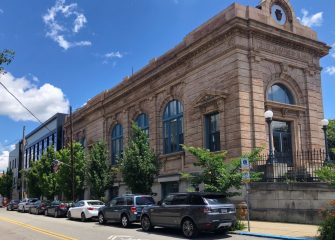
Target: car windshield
(94,203)
(145,200)
(216,199)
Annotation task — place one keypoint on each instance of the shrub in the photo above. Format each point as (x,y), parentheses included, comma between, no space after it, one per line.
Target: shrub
(327,227)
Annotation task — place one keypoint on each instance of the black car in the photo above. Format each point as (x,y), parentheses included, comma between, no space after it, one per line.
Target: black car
(125,209)
(39,207)
(191,212)
(13,205)
(57,209)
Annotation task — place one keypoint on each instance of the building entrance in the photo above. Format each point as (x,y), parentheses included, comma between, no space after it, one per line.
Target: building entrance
(282,141)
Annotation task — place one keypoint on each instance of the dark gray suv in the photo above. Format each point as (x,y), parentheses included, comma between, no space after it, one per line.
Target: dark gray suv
(191,212)
(125,209)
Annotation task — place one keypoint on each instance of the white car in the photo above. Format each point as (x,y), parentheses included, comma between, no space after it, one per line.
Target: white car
(25,204)
(85,209)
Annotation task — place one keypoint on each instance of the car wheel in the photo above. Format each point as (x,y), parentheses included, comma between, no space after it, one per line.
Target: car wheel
(56,214)
(146,224)
(68,215)
(124,220)
(83,217)
(101,218)
(189,228)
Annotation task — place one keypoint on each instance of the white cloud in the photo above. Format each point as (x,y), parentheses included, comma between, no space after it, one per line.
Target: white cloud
(330,70)
(116,54)
(60,33)
(313,20)
(43,101)
(1,11)
(4,154)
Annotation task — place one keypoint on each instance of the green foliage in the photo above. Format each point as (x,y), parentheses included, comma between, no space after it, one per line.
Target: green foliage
(327,229)
(219,175)
(327,174)
(64,174)
(331,133)
(100,176)
(40,176)
(139,164)
(6,57)
(238,226)
(6,183)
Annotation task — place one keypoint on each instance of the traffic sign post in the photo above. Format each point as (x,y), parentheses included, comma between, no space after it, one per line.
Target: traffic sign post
(245,168)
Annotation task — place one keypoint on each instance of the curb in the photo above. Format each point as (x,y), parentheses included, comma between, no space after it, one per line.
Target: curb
(271,236)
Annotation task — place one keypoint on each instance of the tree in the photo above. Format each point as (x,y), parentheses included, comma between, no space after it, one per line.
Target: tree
(139,164)
(41,178)
(64,175)
(331,134)
(100,176)
(219,175)
(6,183)
(6,57)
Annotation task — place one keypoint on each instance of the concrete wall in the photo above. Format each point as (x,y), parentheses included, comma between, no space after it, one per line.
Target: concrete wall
(289,202)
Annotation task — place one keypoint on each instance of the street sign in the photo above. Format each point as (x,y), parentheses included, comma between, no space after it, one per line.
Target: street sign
(246,177)
(245,166)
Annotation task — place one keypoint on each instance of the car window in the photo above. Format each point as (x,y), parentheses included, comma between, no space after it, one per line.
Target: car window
(180,199)
(129,201)
(196,200)
(215,199)
(95,203)
(113,202)
(119,201)
(168,200)
(144,200)
(37,202)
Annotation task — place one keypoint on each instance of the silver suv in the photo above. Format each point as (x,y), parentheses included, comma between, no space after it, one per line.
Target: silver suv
(125,209)
(191,212)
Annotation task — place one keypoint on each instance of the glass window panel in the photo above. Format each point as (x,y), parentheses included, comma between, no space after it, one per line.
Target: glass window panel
(279,93)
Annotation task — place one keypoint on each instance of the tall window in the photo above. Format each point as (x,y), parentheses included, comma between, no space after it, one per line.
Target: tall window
(279,93)
(117,142)
(173,130)
(143,122)
(212,132)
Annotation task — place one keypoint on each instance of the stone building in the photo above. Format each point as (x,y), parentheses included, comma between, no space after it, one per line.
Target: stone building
(212,90)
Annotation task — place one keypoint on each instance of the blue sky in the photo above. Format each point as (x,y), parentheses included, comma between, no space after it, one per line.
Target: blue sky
(69,51)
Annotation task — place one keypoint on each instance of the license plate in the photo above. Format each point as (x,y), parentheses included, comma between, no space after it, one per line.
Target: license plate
(224,210)
(224,225)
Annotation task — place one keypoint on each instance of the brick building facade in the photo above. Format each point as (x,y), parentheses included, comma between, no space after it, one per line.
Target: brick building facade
(212,90)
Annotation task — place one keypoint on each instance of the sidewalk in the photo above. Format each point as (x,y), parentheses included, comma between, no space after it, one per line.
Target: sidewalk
(280,230)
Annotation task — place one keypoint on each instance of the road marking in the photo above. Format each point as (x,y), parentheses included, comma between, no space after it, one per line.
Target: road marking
(36,229)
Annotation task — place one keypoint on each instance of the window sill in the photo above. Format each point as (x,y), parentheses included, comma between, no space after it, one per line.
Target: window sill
(167,155)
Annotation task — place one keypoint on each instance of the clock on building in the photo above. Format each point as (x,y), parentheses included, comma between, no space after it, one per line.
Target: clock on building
(278,14)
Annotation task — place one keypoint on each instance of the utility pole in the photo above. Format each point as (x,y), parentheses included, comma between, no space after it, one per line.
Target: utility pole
(71,153)
(22,158)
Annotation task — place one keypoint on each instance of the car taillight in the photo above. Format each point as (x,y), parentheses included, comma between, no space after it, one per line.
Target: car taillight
(62,206)
(133,210)
(90,208)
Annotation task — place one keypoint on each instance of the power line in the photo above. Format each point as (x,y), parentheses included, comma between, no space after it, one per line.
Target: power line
(23,105)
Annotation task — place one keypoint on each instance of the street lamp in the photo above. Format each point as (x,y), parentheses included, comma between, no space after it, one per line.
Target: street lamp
(324,124)
(268,118)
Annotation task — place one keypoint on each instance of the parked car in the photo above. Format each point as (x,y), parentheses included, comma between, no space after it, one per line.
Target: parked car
(125,209)
(58,209)
(26,203)
(85,209)
(191,212)
(13,205)
(39,207)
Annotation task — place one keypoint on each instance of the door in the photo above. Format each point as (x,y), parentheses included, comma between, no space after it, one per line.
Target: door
(282,141)
(169,187)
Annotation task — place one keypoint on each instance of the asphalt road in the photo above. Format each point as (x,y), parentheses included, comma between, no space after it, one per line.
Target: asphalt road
(25,226)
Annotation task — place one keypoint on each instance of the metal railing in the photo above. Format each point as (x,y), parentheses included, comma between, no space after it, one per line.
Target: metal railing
(300,166)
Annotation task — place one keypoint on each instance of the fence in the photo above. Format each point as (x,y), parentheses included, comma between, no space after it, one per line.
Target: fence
(300,166)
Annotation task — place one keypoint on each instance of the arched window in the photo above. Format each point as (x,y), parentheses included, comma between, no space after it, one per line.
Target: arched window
(142,122)
(117,143)
(173,130)
(279,93)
